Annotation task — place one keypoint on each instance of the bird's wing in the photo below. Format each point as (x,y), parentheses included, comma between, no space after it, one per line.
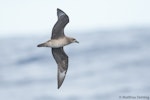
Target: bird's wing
(62,61)
(58,29)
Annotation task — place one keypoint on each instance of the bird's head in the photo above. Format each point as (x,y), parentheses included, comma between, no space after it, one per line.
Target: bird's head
(73,40)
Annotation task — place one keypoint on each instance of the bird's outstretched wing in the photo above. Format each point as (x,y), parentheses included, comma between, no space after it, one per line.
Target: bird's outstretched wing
(58,29)
(62,61)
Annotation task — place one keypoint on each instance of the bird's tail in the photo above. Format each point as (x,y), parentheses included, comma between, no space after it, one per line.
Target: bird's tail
(42,45)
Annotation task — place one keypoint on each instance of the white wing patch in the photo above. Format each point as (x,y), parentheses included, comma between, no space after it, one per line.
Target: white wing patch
(62,74)
(61,77)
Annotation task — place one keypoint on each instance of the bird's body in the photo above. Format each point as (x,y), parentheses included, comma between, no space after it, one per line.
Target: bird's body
(57,42)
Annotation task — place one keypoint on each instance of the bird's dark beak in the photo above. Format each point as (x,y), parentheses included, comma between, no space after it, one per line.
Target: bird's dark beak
(76,41)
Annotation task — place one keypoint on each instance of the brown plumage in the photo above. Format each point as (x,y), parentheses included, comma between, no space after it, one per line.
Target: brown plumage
(58,40)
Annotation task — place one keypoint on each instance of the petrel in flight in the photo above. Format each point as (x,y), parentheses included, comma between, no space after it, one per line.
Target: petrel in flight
(57,42)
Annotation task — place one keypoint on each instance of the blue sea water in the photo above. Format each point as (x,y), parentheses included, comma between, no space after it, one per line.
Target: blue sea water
(105,65)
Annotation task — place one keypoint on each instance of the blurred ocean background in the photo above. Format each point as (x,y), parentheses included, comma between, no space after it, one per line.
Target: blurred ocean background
(105,65)
(111,62)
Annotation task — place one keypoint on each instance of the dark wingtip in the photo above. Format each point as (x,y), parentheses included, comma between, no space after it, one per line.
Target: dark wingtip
(60,78)
(59,10)
(60,83)
(58,87)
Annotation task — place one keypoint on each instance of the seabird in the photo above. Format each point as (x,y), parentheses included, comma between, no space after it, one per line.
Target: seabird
(57,42)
